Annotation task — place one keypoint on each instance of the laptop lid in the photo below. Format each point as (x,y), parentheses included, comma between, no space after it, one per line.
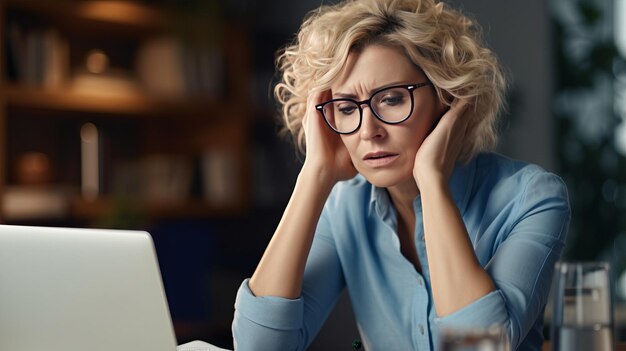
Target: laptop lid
(81,289)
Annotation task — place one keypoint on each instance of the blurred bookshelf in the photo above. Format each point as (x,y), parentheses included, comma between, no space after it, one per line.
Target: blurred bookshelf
(152,115)
(134,104)
(118,99)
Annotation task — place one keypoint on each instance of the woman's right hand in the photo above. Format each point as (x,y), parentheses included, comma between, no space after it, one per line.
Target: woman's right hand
(326,155)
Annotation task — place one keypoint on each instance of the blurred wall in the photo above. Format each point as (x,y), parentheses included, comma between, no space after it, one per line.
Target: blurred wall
(519,33)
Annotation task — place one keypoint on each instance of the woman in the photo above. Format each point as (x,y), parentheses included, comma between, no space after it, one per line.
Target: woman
(399,199)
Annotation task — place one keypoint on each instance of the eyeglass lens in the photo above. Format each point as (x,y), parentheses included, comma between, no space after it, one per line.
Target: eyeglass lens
(390,105)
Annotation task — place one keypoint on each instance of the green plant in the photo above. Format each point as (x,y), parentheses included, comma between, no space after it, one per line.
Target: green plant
(587,65)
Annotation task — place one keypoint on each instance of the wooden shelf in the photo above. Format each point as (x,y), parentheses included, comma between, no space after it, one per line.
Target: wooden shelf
(191,208)
(107,209)
(114,15)
(63,203)
(128,104)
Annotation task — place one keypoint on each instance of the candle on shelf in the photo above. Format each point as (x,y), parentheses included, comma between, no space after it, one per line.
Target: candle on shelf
(90,161)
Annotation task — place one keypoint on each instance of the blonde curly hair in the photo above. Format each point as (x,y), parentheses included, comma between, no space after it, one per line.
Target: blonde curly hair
(442,42)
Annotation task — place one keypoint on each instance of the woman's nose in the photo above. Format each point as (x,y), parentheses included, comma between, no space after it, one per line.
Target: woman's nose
(371,127)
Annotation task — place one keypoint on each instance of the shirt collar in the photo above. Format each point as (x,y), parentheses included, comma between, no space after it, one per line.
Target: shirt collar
(460,184)
(379,201)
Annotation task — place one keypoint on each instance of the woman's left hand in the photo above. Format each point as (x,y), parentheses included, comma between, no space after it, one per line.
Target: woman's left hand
(438,153)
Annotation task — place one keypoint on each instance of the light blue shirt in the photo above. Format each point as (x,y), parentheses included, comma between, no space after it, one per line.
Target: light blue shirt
(517,217)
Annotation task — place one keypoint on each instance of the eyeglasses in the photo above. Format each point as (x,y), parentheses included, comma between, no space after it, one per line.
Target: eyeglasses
(391,105)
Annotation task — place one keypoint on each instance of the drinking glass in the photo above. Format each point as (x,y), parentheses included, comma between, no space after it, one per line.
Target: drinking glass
(490,339)
(582,316)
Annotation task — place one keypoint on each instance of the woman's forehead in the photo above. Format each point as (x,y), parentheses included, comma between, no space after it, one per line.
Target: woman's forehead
(375,66)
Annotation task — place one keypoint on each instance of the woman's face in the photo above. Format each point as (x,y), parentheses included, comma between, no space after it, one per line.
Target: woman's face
(383,153)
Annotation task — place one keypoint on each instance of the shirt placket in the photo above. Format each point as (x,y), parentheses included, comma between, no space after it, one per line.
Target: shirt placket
(423,340)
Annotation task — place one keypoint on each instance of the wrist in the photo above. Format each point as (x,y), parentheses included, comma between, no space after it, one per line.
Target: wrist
(433,172)
(431,182)
(322,178)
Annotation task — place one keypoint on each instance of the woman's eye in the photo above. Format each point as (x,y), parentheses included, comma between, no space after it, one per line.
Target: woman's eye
(392,99)
(347,110)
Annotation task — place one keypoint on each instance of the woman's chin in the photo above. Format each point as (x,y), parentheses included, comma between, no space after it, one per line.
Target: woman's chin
(385,179)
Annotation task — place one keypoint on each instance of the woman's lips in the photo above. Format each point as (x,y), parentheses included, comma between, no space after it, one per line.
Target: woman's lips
(379,159)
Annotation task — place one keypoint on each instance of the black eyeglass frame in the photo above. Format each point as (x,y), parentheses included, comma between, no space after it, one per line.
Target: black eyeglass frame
(410,87)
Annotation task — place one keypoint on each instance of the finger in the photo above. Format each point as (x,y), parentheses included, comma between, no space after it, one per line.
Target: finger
(455,115)
(458,107)
(314,99)
(317,97)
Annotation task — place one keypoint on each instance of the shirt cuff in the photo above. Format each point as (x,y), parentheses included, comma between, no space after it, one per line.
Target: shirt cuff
(485,312)
(269,311)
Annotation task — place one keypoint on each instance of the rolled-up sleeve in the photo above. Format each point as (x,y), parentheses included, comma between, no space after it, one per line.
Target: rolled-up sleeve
(276,323)
(266,322)
(523,264)
(492,302)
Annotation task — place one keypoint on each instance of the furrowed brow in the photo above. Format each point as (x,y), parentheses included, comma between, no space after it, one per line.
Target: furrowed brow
(341,95)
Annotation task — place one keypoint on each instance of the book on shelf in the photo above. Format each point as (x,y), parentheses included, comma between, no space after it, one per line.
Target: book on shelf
(219,177)
(165,178)
(37,56)
(169,67)
(55,60)
(159,63)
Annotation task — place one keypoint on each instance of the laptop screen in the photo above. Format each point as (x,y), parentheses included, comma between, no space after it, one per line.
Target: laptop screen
(81,289)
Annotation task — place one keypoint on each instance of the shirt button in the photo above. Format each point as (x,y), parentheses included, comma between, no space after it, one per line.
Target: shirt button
(421,329)
(420,281)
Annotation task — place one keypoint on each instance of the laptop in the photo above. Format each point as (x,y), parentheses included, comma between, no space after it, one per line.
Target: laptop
(81,289)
